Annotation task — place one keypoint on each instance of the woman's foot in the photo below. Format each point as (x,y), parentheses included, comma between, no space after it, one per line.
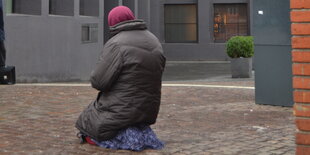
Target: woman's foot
(81,138)
(89,141)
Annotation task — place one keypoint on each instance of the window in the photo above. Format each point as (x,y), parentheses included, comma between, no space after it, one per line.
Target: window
(61,7)
(30,7)
(230,20)
(89,7)
(180,23)
(89,33)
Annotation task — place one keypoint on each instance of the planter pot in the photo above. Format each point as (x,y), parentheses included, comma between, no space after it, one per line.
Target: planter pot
(241,67)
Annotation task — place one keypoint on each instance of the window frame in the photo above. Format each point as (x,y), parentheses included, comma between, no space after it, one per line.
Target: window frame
(72,14)
(79,11)
(91,27)
(188,2)
(11,10)
(225,2)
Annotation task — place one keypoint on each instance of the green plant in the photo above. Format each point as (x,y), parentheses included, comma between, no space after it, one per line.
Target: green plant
(240,46)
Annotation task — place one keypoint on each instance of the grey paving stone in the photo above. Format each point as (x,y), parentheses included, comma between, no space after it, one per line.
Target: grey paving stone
(192,120)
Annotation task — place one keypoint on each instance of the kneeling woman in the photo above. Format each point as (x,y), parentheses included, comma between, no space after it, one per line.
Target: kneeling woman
(128,77)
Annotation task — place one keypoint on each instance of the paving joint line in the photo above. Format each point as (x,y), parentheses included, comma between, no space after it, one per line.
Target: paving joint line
(164,85)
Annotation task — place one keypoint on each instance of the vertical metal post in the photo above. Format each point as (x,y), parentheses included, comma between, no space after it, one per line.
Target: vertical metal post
(136,8)
(76,9)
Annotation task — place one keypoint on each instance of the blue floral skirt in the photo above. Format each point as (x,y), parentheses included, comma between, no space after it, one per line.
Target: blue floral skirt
(135,138)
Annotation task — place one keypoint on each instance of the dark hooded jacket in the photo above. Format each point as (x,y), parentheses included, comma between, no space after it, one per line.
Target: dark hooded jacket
(128,77)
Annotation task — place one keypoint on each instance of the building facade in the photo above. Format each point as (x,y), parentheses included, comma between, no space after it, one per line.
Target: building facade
(198,29)
(53,40)
(60,40)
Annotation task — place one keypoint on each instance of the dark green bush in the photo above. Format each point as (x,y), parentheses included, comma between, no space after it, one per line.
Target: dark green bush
(240,46)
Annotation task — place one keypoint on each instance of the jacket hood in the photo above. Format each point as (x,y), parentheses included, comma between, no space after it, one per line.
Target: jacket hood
(120,14)
(127,26)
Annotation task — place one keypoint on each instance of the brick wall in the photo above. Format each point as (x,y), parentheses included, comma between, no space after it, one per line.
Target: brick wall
(300,17)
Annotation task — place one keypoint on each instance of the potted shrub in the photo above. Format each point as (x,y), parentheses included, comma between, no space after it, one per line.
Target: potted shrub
(241,50)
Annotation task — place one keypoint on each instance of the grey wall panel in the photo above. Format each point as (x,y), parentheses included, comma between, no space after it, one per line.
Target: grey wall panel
(157,14)
(130,4)
(272,61)
(144,10)
(108,6)
(205,22)
(273,26)
(188,52)
(273,75)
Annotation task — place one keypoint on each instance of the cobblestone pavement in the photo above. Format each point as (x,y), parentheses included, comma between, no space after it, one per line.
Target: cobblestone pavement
(192,120)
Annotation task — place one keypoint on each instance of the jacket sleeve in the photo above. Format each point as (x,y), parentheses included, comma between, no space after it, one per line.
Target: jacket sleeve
(107,69)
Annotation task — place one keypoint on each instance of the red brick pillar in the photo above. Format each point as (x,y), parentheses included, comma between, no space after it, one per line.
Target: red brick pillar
(300,17)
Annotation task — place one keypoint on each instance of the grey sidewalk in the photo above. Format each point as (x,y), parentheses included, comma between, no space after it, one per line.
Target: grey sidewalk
(199,71)
(177,71)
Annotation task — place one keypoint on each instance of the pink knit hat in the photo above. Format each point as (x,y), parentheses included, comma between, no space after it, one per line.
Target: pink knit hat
(120,14)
